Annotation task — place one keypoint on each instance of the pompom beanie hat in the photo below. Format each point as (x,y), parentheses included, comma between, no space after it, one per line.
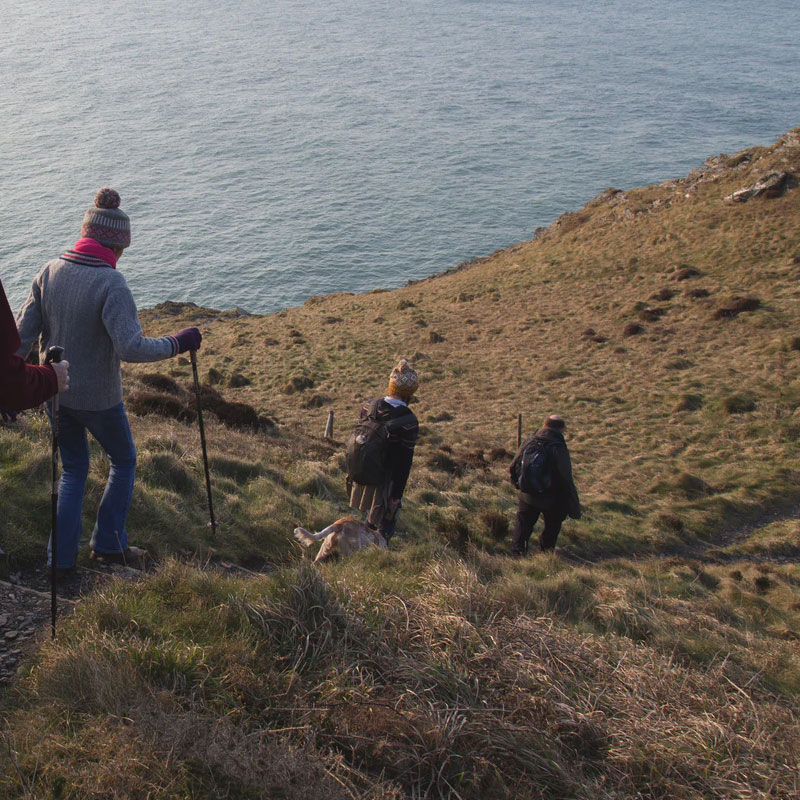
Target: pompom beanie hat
(403,380)
(106,222)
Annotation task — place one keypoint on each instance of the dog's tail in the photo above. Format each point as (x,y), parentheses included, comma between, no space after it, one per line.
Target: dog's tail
(306,538)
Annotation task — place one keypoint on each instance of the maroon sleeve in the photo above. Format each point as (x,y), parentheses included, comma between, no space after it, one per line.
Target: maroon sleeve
(21,385)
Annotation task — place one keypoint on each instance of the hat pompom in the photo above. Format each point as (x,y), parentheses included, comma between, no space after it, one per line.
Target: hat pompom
(107,198)
(105,221)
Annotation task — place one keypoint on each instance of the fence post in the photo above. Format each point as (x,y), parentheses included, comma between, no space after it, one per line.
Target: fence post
(329,425)
(519,430)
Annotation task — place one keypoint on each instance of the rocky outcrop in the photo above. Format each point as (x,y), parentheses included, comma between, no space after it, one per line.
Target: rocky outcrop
(774,184)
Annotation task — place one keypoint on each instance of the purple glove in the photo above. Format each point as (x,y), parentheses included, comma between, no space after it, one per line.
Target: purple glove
(188,339)
(8,416)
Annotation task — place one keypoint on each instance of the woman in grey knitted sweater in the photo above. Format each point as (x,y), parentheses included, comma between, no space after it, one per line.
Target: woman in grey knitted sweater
(82,303)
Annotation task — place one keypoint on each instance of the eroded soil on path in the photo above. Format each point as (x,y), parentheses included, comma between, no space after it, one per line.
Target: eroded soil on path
(25,611)
(717,550)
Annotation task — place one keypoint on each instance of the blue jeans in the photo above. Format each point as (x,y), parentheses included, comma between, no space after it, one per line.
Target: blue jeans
(110,428)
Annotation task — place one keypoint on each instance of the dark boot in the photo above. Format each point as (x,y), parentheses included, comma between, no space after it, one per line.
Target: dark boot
(133,557)
(552,527)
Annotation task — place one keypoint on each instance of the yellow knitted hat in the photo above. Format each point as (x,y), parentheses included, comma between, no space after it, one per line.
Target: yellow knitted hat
(403,381)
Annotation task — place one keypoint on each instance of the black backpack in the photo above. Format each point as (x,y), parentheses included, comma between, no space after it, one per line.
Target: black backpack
(535,470)
(367,449)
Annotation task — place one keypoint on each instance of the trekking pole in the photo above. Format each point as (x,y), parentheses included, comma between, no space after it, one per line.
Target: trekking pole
(54,355)
(213,522)
(329,425)
(519,430)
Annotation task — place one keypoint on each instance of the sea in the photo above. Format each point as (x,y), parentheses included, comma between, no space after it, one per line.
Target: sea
(270,150)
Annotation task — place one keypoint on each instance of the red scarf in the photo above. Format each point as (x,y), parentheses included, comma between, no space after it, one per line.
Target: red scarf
(89,247)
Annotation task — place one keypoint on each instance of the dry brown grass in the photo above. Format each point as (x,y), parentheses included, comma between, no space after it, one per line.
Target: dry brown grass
(376,678)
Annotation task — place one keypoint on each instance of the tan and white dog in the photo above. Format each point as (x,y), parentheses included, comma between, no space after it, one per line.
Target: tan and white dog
(343,538)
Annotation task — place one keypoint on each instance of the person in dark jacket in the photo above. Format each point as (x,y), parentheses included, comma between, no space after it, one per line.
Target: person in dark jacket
(382,502)
(21,384)
(555,504)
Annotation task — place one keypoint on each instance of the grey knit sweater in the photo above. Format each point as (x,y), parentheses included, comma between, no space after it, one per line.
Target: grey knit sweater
(82,304)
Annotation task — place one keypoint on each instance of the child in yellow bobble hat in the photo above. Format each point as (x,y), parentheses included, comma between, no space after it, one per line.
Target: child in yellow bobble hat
(389,418)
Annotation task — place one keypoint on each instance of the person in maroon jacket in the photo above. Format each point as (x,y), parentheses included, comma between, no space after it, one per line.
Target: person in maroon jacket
(23,385)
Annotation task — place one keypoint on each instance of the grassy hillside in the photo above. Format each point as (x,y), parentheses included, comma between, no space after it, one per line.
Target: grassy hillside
(657,657)
(695,418)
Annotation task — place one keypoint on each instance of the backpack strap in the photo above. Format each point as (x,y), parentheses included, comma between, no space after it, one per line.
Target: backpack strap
(373,409)
(545,442)
(397,422)
(392,422)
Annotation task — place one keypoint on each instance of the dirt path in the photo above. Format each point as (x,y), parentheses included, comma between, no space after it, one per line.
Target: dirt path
(22,618)
(710,552)
(25,610)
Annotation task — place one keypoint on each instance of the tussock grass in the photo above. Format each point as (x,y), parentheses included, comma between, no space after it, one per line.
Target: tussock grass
(260,491)
(380,679)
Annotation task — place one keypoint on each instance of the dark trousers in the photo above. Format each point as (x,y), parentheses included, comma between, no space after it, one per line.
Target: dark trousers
(527,515)
(386,523)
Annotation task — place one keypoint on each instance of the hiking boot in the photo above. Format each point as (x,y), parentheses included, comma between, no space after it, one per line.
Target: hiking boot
(133,557)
